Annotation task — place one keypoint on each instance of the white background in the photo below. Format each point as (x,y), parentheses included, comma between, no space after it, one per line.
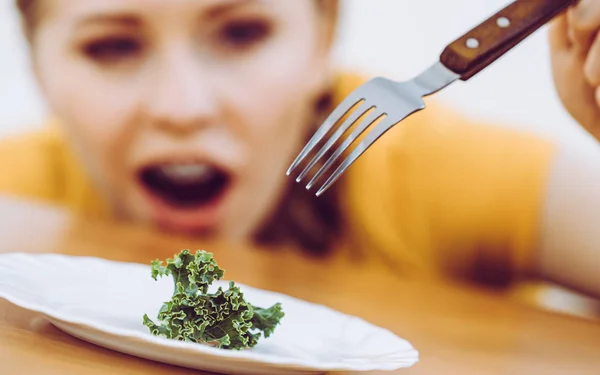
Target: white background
(395,38)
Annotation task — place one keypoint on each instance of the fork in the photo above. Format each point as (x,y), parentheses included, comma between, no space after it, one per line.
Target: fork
(382,103)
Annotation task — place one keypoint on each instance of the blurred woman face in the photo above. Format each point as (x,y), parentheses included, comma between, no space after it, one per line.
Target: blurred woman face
(185,113)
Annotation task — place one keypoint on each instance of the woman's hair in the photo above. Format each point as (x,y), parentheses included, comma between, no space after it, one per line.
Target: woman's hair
(301,218)
(28,11)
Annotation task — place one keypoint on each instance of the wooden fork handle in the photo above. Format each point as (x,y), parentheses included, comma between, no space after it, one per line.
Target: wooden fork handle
(484,44)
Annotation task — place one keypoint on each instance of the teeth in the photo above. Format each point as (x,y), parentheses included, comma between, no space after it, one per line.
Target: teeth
(199,172)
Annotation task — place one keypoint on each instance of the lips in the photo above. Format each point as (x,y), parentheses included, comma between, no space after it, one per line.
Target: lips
(185,196)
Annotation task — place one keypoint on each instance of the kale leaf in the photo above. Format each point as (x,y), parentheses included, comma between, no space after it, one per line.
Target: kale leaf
(223,319)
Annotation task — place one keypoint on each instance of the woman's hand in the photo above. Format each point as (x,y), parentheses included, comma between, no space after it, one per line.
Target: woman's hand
(575,50)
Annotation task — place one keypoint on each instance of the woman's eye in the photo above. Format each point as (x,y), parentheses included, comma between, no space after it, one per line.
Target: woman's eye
(112,49)
(244,34)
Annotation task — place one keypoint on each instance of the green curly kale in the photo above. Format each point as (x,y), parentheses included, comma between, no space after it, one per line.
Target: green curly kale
(222,319)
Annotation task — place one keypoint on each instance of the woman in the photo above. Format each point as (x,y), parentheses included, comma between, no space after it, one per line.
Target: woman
(185,114)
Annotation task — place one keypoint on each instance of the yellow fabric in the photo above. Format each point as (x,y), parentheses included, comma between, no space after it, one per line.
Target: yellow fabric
(436,193)
(40,166)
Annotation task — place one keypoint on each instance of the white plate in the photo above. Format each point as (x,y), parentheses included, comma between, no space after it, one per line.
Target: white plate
(103,302)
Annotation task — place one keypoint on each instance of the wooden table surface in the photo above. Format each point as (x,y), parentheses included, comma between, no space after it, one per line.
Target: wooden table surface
(457,330)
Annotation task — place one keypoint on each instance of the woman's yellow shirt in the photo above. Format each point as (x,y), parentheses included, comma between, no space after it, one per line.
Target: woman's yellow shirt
(436,193)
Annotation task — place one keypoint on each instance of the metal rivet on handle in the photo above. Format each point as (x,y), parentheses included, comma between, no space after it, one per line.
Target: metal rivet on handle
(472,43)
(503,22)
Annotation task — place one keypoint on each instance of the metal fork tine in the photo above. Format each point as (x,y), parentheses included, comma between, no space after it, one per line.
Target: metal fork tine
(331,120)
(379,130)
(361,110)
(392,99)
(371,118)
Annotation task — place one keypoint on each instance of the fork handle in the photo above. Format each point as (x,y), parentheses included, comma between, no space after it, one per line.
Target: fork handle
(480,47)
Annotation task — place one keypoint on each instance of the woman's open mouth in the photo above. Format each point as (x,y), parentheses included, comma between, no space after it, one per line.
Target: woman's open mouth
(185,196)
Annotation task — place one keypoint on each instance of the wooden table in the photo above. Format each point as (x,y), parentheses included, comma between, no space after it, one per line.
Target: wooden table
(457,330)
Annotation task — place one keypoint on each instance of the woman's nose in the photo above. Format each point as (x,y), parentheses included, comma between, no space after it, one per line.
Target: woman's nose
(181,96)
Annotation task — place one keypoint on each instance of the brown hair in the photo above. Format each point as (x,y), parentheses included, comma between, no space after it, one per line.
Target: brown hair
(301,219)
(29,16)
